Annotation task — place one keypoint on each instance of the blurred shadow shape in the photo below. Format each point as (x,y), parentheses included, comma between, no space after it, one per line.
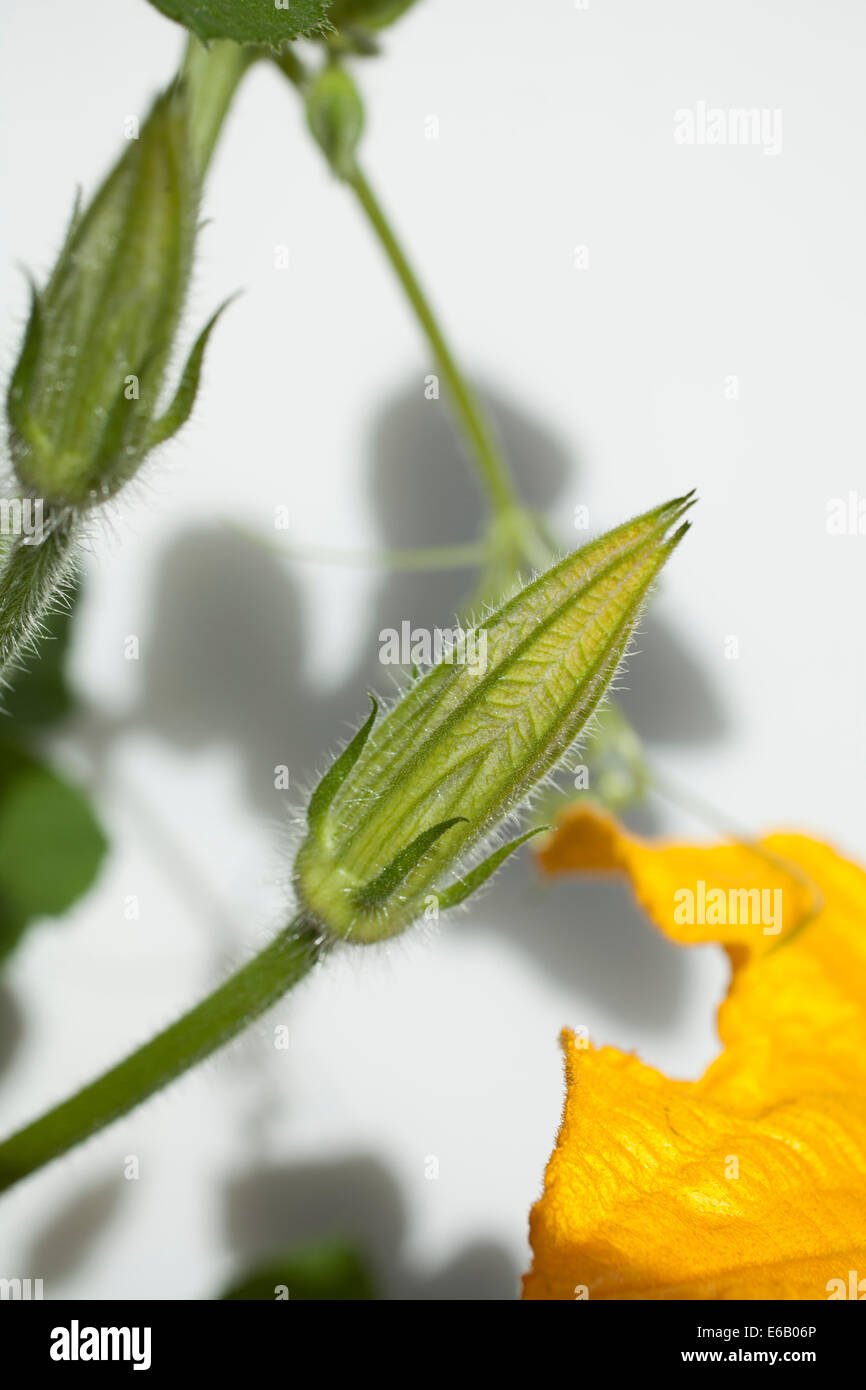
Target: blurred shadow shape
(423,485)
(423,492)
(481,1271)
(355,1200)
(226,651)
(587,934)
(665,694)
(66,1240)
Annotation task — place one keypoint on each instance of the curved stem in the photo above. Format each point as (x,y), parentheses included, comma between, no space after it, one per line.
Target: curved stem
(416,558)
(493,471)
(221,1016)
(475,425)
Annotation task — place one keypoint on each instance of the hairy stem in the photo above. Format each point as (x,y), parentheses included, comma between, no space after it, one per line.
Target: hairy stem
(243,998)
(494,475)
(31,577)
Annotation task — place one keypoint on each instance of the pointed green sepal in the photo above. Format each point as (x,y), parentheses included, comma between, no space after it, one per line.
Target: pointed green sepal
(338,772)
(177,414)
(461,889)
(28,357)
(375,894)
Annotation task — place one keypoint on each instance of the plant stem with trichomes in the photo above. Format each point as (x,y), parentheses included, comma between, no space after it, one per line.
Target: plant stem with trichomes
(476,428)
(510,517)
(244,997)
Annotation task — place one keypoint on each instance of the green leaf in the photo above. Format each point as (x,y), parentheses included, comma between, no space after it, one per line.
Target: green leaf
(367,14)
(51,845)
(338,772)
(247,21)
(458,892)
(326,1272)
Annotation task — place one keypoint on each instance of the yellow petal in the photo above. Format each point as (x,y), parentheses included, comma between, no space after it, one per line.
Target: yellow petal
(750,1182)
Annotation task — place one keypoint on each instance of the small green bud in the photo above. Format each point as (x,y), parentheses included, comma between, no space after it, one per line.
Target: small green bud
(83,403)
(405,807)
(335,114)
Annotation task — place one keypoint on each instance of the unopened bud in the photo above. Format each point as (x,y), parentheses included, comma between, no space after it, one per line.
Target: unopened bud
(407,808)
(84,400)
(336,117)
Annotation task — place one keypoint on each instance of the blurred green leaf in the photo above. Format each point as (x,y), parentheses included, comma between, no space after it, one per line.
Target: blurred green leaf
(247,21)
(369,14)
(51,845)
(329,1271)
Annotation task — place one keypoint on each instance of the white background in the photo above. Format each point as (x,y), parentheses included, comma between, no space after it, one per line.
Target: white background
(555,131)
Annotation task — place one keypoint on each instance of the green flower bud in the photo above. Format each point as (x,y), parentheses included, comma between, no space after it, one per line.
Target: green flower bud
(336,117)
(402,810)
(84,401)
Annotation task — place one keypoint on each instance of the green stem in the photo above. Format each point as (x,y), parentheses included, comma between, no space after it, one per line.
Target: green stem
(212,75)
(218,1018)
(31,576)
(417,558)
(509,513)
(477,430)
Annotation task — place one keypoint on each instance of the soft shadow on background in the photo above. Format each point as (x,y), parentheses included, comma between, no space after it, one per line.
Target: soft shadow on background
(358,1200)
(69,1236)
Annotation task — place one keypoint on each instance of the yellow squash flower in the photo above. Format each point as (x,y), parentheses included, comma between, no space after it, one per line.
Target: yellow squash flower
(749,1183)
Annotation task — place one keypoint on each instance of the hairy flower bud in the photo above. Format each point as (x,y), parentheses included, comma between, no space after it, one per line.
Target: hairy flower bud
(404,807)
(84,400)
